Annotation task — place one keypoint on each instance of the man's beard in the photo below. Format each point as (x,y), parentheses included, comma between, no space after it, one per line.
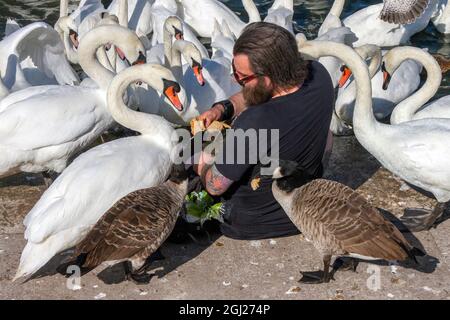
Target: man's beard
(258,94)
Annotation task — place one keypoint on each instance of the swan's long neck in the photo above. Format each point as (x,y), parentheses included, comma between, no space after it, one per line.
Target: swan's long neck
(147,124)
(103,58)
(123,13)
(337,8)
(71,53)
(178,48)
(372,52)
(252,11)
(167,48)
(365,125)
(405,110)
(87,54)
(63,8)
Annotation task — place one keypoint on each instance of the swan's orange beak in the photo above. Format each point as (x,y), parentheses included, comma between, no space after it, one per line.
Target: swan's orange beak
(386,77)
(197,68)
(171,89)
(346,74)
(74,38)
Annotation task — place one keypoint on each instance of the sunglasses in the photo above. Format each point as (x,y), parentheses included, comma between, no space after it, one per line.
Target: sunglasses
(243,81)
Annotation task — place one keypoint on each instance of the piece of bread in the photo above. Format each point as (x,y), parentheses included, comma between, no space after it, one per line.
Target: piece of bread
(217,126)
(197,126)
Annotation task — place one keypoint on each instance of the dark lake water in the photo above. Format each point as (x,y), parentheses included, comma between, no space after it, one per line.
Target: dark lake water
(309,14)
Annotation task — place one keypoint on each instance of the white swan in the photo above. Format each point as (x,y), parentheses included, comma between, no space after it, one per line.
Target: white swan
(43,126)
(163,10)
(217,80)
(139,15)
(281,13)
(332,29)
(370,29)
(214,76)
(405,81)
(101,176)
(417,151)
(441,18)
(222,43)
(34,55)
(407,110)
(200,15)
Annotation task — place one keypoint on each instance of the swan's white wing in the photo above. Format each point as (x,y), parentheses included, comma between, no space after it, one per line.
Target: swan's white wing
(139,15)
(281,17)
(330,22)
(54,117)
(222,43)
(436,109)
(42,44)
(403,11)
(422,148)
(86,8)
(341,35)
(84,192)
(23,94)
(11,27)
(93,183)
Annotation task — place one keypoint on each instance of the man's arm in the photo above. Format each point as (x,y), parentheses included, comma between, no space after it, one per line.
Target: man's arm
(215,183)
(215,113)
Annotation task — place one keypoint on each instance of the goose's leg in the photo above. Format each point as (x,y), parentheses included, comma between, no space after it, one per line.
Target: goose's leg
(316,277)
(49,177)
(139,276)
(343,264)
(420,219)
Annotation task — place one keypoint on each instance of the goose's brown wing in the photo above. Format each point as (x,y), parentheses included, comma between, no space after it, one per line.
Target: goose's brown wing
(403,11)
(358,227)
(140,220)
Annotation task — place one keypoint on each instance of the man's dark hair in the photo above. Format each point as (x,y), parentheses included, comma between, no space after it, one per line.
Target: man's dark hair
(273,52)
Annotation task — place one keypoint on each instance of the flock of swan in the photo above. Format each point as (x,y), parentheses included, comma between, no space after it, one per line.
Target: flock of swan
(144,68)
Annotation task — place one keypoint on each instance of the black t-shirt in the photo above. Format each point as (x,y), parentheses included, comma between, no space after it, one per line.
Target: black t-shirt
(303,120)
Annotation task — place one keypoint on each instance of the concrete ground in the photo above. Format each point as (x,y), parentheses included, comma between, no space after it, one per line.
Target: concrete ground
(230,269)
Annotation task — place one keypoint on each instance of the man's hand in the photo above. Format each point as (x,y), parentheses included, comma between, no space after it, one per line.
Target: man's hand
(213,114)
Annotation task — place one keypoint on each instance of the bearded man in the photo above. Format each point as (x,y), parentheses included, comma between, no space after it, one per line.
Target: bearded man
(282,92)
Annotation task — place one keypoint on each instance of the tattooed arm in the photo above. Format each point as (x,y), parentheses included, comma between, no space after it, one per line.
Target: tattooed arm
(215,183)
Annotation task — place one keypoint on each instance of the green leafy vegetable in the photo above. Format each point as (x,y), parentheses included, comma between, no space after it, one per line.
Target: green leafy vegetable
(201,206)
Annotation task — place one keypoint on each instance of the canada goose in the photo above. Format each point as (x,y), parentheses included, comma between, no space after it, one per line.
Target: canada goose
(135,227)
(337,220)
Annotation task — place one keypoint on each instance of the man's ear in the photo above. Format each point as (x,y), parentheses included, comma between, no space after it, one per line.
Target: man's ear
(267,82)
